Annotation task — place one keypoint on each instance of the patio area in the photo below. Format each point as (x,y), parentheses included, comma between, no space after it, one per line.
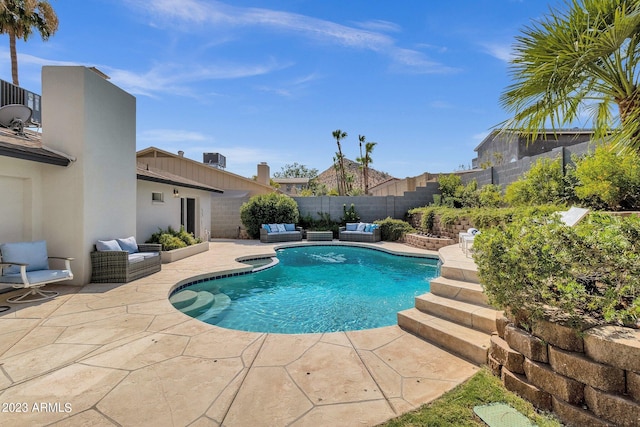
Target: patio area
(120,354)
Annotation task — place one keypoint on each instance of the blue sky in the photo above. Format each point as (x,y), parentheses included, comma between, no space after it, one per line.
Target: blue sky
(269,81)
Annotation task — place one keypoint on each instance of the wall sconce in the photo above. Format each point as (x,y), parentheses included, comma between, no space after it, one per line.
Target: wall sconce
(176,193)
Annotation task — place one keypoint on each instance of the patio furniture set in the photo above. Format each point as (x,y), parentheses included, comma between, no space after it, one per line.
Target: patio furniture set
(351,232)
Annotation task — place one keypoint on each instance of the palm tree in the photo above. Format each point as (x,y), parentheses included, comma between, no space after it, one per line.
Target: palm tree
(583,60)
(19,18)
(360,160)
(368,149)
(342,179)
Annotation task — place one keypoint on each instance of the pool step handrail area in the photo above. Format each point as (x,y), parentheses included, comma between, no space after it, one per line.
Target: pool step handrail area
(455,315)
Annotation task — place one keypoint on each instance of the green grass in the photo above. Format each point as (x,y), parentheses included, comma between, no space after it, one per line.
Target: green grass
(455,408)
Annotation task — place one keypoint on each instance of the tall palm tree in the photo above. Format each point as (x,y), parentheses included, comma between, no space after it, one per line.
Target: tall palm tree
(19,18)
(576,62)
(360,160)
(368,149)
(342,179)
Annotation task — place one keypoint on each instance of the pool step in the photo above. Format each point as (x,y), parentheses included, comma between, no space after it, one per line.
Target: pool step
(459,290)
(203,301)
(221,303)
(455,315)
(183,298)
(469,343)
(473,316)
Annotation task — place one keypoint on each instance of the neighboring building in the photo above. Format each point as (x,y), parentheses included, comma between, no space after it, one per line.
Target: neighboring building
(225,207)
(292,186)
(165,199)
(500,148)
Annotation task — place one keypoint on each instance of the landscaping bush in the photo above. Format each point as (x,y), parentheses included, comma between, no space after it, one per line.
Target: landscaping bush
(608,179)
(537,267)
(268,209)
(394,229)
(324,223)
(543,183)
(171,239)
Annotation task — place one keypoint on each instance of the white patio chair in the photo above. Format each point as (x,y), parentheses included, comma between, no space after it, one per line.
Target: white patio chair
(26,265)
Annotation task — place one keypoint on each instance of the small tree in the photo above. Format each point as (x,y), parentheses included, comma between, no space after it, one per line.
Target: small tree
(268,209)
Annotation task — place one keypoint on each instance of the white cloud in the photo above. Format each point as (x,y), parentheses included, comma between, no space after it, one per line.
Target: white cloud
(500,51)
(170,135)
(193,15)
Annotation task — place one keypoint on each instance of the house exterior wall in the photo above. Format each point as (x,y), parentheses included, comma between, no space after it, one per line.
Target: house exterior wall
(153,214)
(21,200)
(95,197)
(202,173)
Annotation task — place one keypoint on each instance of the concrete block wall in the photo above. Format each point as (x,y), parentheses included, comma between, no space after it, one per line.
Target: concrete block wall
(585,378)
(225,217)
(369,208)
(504,175)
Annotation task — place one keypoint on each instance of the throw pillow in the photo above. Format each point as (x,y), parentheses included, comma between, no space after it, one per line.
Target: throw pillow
(108,245)
(361,226)
(281,228)
(352,226)
(274,228)
(129,244)
(266,227)
(290,227)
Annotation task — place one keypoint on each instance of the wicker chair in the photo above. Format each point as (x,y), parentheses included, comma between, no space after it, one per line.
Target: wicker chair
(116,267)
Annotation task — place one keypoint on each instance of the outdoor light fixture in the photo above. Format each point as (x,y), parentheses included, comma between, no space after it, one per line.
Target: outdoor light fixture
(176,193)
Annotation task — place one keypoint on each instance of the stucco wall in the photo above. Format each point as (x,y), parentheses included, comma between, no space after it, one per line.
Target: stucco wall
(95,197)
(153,215)
(21,200)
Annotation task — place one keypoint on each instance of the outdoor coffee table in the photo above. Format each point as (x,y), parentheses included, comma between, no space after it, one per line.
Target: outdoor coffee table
(319,236)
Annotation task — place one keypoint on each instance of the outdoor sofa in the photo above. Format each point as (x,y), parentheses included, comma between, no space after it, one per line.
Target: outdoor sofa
(360,232)
(272,233)
(124,260)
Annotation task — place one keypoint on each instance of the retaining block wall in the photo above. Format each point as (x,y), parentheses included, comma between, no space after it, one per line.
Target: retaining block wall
(589,378)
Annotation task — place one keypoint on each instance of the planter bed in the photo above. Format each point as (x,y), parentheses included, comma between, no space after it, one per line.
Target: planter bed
(177,254)
(427,242)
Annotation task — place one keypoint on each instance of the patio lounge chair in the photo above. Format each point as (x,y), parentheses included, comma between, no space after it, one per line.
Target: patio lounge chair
(26,265)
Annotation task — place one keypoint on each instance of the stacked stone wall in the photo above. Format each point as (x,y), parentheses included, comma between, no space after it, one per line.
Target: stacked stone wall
(439,228)
(587,378)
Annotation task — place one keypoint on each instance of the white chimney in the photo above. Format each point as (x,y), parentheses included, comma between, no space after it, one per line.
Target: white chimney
(181,153)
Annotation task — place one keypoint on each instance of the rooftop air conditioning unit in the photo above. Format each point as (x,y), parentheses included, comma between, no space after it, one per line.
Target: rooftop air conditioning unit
(12,94)
(215,160)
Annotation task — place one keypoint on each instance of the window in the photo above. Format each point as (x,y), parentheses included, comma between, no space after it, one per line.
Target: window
(157,197)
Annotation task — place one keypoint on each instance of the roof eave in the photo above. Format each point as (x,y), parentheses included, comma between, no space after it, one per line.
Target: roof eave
(34,157)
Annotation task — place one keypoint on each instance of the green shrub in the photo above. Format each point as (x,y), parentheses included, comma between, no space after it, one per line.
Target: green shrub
(394,229)
(350,215)
(268,209)
(170,242)
(543,183)
(609,179)
(172,239)
(324,223)
(537,266)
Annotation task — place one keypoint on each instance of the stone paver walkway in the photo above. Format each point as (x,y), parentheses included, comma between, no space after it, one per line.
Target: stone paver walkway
(109,355)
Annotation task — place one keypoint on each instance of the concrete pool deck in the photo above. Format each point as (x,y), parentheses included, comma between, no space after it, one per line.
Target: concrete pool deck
(120,354)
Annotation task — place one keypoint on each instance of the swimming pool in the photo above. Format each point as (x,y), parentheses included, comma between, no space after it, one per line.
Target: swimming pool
(323,288)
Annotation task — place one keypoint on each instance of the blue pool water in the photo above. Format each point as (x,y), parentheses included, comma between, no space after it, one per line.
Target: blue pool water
(317,289)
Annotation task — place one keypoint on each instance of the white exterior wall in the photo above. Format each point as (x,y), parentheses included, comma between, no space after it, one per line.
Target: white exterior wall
(21,200)
(153,215)
(95,197)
